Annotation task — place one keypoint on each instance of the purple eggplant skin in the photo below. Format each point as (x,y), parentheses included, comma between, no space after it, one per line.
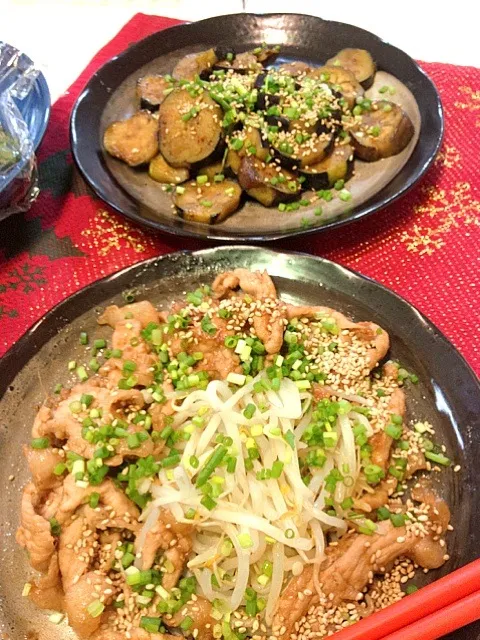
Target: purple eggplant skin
(295,163)
(222,51)
(337,166)
(281,122)
(265,100)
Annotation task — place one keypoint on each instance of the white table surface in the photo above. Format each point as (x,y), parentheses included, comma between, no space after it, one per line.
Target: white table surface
(63,35)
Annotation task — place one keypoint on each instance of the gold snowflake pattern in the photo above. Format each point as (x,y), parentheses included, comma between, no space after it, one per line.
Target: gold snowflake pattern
(453,208)
(472,102)
(106,233)
(448,156)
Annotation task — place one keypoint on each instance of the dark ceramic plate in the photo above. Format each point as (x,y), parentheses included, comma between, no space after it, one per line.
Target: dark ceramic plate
(448,393)
(110,95)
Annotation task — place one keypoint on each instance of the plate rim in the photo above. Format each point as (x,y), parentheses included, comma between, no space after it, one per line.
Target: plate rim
(339,221)
(469,379)
(12,354)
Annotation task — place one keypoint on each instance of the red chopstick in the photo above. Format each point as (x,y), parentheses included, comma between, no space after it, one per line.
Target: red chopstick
(441,622)
(421,604)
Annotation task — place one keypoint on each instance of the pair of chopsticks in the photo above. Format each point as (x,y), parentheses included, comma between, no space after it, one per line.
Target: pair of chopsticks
(431,612)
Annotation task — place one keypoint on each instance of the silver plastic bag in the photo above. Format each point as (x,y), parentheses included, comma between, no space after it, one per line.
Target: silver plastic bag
(18,168)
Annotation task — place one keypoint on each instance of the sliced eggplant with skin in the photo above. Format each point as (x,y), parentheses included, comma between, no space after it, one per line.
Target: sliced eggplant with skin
(259,80)
(211,170)
(246,62)
(243,63)
(306,154)
(194,64)
(134,140)
(268,196)
(253,139)
(208,203)
(295,68)
(160,171)
(281,122)
(346,82)
(151,91)
(254,173)
(359,62)
(337,166)
(266,100)
(224,52)
(264,53)
(186,140)
(232,163)
(382,132)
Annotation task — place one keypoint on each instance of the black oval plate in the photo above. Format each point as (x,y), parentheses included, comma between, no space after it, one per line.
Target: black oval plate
(448,393)
(301,37)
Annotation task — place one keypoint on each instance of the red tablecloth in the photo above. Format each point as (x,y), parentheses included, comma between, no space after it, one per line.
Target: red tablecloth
(425,247)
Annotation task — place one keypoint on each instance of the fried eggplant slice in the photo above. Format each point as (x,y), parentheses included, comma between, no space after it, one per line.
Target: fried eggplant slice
(266,53)
(134,140)
(233,161)
(295,68)
(161,171)
(212,170)
(190,128)
(152,91)
(254,173)
(194,64)
(342,80)
(292,154)
(337,166)
(382,132)
(268,196)
(208,203)
(359,62)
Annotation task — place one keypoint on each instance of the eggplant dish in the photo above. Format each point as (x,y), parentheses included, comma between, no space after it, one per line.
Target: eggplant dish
(233,468)
(224,123)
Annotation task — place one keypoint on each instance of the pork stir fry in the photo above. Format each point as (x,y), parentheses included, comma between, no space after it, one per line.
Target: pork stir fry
(235,467)
(224,123)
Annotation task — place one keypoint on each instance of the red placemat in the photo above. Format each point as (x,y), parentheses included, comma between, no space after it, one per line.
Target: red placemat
(426,247)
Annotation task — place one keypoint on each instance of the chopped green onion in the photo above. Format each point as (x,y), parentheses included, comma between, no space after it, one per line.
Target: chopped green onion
(208,503)
(150,624)
(94,365)
(186,623)
(245,540)
(368,527)
(383,513)
(397,519)
(439,458)
(249,411)
(210,465)
(55,527)
(411,588)
(83,338)
(345,195)
(290,438)
(394,431)
(95,608)
(40,443)
(373,473)
(82,373)
(277,468)
(236,144)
